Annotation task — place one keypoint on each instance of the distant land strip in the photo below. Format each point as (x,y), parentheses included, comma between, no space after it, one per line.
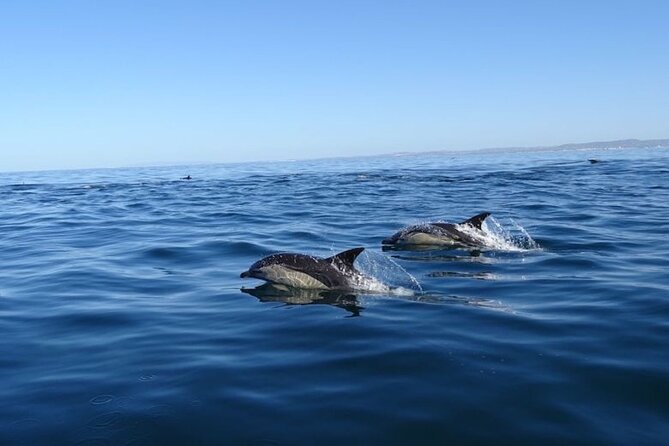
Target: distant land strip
(617,144)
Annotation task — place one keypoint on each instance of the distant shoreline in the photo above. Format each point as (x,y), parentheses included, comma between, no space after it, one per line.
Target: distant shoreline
(616,144)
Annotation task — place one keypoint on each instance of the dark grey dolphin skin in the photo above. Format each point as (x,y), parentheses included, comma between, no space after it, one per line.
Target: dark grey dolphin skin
(308,272)
(440,234)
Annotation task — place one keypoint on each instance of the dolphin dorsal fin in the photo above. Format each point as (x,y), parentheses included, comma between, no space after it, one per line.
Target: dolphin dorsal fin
(347,257)
(476,220)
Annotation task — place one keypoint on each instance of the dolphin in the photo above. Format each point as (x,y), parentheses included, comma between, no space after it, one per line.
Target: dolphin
(465,234)
(309,272)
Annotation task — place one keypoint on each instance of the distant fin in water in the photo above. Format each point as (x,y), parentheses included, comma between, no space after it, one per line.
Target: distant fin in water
(477,220)
(346,257)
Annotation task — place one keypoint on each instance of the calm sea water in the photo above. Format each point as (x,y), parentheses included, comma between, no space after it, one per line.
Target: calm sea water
(123,320)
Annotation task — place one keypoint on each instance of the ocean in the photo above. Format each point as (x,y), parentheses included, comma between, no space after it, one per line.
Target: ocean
(124,320)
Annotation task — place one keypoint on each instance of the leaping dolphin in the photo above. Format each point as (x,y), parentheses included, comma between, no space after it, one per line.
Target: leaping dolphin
(309,272)
(464,234)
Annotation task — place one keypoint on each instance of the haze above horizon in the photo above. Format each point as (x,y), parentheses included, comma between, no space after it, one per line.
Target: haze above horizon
(123,83)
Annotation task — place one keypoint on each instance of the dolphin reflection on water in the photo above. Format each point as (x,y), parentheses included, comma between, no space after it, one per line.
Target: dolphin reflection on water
(270,292)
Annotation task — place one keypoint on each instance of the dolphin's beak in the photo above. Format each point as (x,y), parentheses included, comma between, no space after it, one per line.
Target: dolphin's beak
(245,274)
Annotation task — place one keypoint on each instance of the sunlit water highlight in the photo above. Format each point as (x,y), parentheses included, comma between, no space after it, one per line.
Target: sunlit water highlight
(124,320)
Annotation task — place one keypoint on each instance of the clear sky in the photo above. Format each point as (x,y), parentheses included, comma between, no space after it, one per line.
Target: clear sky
(117,83)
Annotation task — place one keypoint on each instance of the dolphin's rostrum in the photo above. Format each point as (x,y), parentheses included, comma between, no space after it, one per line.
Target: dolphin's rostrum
(465,234)
(309,272)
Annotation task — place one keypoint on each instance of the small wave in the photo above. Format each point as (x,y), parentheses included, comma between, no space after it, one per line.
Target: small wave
(480,302)
(485,275)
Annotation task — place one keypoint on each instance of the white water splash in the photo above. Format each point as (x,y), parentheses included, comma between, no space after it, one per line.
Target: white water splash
(372,285)
(383,275)
(500,238)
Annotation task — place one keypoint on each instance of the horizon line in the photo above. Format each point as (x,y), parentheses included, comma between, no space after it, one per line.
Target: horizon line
(611,144)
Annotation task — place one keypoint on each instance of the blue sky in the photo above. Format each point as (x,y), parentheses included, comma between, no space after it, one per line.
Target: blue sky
(117,83)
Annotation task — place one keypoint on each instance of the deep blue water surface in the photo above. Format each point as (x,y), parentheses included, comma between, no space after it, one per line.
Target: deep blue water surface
(123,322)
